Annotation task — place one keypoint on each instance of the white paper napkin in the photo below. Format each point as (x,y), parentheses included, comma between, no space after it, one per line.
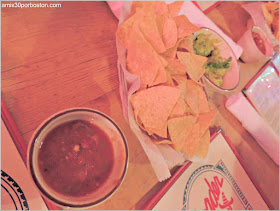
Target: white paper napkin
(17,189)
(239,106)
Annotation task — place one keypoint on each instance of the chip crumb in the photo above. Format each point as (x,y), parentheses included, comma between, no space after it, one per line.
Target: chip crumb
(77,148)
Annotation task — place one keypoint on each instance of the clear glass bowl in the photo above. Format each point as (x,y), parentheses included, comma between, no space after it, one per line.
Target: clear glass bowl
(120,154)
(251,52)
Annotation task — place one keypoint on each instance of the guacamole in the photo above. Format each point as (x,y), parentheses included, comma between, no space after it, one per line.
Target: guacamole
(216,66)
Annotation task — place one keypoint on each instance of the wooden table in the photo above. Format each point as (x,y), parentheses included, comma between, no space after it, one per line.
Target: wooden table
(59,58)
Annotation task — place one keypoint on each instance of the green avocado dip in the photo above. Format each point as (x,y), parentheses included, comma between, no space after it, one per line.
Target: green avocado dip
(216,66)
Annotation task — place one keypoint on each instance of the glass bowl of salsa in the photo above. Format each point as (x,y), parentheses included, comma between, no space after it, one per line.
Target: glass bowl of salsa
(256,45)
(78,158)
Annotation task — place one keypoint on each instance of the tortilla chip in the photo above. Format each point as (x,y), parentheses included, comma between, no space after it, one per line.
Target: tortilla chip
(177,111)
(124,30)
(276,34)
(160,77)
(271,14)
(199,83)
(190,111)
(192,96)
(179,128)
(182,86)
(194,63)
(205,120)
(154,105)
(185,27)
(175,67)
(191,143)
(142,60)
(169,81)
(160,21)
(162,132)
(275,24)
(268,16)
(187,44)
(271,6)
(180,107)
(194,89)
(163,61)
(138,5)
(174,8)
(145,18)
(169,33)
(150,31)
(160,7)
(181,100)
(166,141)
(179,78)
(151,131)
(171,52)
(203,144)
(203,101)
(138,120)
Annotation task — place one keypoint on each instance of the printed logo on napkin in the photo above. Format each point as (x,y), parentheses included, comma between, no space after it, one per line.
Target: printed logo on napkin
(214,185)
(221,183)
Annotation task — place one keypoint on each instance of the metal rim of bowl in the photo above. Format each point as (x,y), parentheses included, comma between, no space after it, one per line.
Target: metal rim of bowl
(30,158)
(212,83)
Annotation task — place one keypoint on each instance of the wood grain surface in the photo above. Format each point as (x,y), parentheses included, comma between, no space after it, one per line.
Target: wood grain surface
(59,58)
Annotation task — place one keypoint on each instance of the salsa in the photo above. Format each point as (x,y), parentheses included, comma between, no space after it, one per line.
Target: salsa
(76,158)
(259,42)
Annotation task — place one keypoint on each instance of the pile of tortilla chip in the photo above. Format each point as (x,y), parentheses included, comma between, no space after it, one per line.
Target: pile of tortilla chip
(271,14)
(171,105)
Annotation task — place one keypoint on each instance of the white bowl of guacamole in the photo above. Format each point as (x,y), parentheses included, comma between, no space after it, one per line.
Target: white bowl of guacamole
(222,69)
